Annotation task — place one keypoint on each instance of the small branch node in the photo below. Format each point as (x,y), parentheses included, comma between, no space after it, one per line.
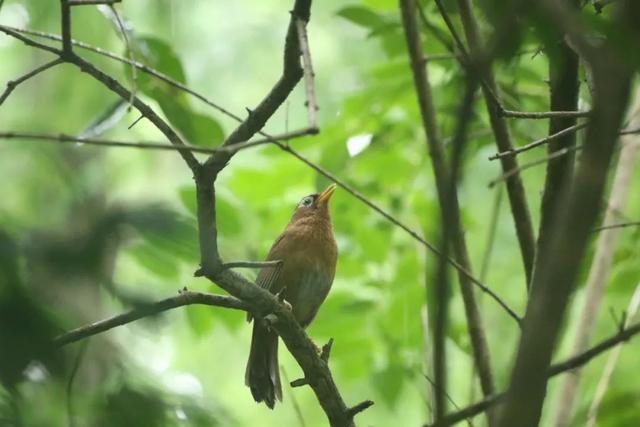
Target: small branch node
(299,382)
(325,352)
(355,410)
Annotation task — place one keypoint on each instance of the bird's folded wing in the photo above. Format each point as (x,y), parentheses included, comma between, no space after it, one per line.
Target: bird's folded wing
(268,276)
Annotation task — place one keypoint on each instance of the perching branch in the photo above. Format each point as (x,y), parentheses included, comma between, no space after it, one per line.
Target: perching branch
(183,298)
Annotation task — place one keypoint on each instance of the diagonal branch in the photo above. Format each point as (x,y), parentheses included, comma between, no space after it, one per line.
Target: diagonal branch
(292,72)
(114,86)
(561,258)
(569,364)
(512,152)
(184,298)
(442,176)
(12,84)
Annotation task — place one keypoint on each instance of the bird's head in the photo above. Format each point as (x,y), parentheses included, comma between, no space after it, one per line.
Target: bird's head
(314,205)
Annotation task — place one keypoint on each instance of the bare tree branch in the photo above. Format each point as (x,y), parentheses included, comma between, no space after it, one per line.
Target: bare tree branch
(515,151)
(442,177)
(543,114)
(619,225)
(600,267)
(309,75)
(560,259)
(603,384)
(558,368)
(12,84)
(184,298)
(62,138)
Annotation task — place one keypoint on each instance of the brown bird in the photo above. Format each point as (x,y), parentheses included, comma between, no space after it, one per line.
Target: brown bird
(308,253)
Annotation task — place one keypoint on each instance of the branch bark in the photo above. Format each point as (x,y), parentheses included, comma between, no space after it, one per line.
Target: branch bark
(184,298)
(563,94)
(600,266)
(574,362)
(560,259)
(442,176)
(515,188)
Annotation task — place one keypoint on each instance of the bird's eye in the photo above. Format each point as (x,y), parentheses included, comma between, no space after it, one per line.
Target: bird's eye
(307,201)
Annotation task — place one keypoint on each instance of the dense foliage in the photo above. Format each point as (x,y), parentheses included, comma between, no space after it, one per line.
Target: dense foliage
(89,232)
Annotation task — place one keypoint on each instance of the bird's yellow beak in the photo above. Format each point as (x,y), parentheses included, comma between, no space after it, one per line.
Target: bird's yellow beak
(324,197)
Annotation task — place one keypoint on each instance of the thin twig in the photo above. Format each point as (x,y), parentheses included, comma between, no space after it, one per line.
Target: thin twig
(140,66)
(558,368)
(525,166)
(309,75)
(130,52)
(610,365)
(543,114)
(184,298)
(90,2)
(539,142)
(354,410)
(12,84)
(62,138)
(250,264)
(620,225)
(103,142)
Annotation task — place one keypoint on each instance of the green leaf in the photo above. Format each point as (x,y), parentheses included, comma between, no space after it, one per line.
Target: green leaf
(200,318)
(362,16)
(389,382)
(197,128)
(155,261)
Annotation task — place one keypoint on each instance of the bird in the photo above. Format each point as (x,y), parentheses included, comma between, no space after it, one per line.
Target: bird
(308,253)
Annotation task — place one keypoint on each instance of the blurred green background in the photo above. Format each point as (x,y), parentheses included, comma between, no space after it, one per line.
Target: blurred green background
(88,232)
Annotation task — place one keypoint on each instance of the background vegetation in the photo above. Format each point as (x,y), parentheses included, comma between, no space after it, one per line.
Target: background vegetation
(88,232)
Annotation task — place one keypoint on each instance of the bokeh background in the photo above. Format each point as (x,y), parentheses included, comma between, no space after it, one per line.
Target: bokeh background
(89,232)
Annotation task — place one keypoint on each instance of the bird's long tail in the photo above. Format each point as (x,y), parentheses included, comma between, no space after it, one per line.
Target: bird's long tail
(263,375)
